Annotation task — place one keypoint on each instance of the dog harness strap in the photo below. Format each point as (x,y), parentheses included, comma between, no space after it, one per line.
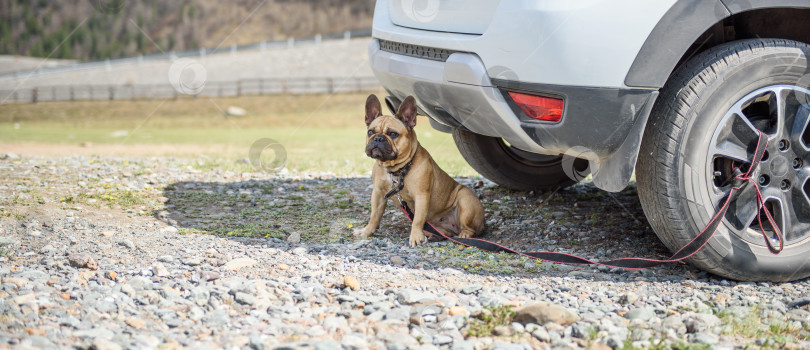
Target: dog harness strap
(398,177)
(740,181)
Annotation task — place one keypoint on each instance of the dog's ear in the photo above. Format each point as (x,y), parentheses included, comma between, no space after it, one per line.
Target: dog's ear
(407,112)
(373,109)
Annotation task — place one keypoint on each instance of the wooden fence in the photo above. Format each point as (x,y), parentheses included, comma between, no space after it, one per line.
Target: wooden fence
(210,89)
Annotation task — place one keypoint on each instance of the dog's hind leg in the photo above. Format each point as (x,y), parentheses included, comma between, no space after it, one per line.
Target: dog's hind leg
(470,214)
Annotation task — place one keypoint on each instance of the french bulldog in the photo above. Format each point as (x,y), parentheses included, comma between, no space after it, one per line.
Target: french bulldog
(405,168)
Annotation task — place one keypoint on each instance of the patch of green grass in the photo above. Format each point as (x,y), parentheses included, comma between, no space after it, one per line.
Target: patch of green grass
(256,230)
(490,317)
(11,213)
(777,332)
(473,260)
(5,254)
(319,133)
(239,215)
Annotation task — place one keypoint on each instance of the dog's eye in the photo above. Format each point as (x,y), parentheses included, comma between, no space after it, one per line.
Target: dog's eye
(392,134)
(370,132)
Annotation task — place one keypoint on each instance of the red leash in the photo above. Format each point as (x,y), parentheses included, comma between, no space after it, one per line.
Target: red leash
(740,181)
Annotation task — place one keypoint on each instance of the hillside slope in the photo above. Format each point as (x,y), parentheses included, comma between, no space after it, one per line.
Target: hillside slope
(98,29)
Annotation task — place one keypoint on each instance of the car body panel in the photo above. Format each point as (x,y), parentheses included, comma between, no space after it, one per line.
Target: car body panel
(534,38)
(455,16)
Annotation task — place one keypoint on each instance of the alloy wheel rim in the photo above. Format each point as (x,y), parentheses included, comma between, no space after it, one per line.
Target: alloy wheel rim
(782,113)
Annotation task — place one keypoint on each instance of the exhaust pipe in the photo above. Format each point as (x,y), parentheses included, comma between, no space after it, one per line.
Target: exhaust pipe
(392,103)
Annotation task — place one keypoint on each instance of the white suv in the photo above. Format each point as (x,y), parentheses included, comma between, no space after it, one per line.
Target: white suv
(538,94)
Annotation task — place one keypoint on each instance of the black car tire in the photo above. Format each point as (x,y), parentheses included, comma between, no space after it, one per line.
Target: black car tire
(516,169)
(679,188)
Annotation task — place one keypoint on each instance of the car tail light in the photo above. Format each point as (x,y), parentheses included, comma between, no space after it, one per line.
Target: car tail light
(542,108)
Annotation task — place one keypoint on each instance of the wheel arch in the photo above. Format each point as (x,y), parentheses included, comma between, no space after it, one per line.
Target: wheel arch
(690,27)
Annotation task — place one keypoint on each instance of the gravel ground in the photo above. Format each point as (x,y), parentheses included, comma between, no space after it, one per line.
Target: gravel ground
(138,252)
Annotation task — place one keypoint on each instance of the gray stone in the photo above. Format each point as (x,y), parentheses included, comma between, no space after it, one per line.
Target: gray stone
(399,314)
(95,333)
(70,321)
(471,289)
(7,241)
(82,260)
(300,251)
(256,342)
(106,306)
(628,298)
(127,243)
(397,260)
(614,341)
(542,312)
(326,345)
(354,341)
(704,338)
(174,322)
(333,323)
(541,334)
(245,298)
(502,331)
(640,313)
(499,345)
(442,339)
(145,341)
(169,230)
(675,323)
(410,296)
(159,270)
(104,344)
(701,322)
(462,345)
(530,327)
(195,313)
(294,238)
(403,339)
(209,275)
(48,249)
(166,258)
(140,283)
(239,263)
(517,327)
(41,342)
(200,295)
(581,330)
(192,261)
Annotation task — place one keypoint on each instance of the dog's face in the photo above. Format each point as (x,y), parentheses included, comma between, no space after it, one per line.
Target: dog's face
(389,138)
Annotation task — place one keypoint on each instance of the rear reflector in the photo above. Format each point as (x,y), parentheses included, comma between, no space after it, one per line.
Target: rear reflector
(542,108)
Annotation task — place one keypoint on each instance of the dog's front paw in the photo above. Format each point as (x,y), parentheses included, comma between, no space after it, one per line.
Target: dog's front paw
(417,238)
(363,233)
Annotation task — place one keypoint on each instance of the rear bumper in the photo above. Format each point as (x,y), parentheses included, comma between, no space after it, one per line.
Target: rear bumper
(603,125)
(456,93)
